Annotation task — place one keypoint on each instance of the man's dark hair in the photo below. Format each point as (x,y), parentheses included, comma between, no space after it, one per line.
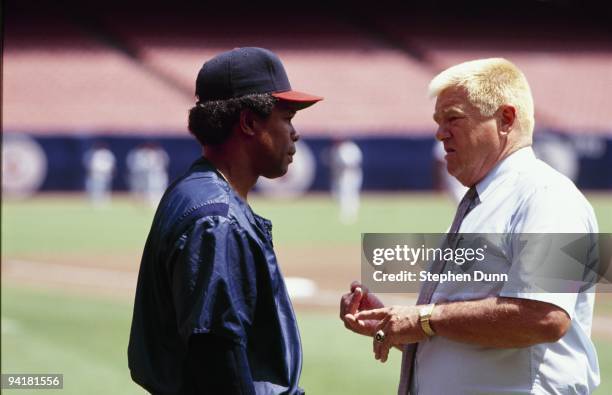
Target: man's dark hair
(211,122)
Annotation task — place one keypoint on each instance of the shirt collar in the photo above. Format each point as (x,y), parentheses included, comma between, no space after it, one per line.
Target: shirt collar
(515,161)
(254,219)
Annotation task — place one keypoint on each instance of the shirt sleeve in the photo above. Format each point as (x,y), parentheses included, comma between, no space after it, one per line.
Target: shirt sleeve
(213,280)
(539,269)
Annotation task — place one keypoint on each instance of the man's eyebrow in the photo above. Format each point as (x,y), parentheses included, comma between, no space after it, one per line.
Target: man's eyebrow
(288,109)
(448,111)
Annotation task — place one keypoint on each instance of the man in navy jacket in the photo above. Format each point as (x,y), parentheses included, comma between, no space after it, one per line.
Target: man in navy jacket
(211,313)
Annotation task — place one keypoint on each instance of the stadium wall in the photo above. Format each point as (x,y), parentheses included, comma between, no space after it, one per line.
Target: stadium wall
(56,163)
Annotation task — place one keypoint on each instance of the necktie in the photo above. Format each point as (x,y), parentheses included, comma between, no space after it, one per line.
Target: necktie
(469,201)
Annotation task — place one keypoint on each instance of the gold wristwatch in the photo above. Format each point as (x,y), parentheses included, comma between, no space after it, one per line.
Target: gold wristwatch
(424,316)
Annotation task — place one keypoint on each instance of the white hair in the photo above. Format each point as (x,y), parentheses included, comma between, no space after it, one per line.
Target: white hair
(490,83)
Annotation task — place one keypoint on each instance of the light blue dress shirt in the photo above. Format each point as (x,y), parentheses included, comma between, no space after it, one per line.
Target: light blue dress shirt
(520,195)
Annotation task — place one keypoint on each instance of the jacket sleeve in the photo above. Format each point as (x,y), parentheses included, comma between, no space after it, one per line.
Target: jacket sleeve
(215,365)
(213,281)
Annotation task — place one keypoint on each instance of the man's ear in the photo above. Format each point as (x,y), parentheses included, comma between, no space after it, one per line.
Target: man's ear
(248,122)
(507,118)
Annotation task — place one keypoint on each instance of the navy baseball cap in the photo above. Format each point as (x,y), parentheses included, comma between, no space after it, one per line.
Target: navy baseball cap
(245,71)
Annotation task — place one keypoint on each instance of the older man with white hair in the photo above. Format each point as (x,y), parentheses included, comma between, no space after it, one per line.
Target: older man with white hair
(507,340)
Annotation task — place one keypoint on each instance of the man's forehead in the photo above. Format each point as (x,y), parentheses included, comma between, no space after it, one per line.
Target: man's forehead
(451,97)
(286,107)
(454,99)
(444,108)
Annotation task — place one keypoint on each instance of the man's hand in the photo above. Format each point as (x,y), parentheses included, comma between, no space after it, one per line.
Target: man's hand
(359,299)
(400,324)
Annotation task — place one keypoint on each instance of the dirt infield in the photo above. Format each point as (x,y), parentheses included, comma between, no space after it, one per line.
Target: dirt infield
(114,275)
(331,269)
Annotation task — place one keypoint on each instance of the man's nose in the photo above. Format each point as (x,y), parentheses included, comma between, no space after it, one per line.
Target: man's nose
(295,136)
(442,133)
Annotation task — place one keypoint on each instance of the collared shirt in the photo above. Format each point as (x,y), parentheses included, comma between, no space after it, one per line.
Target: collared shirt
(209,268)
(521,194)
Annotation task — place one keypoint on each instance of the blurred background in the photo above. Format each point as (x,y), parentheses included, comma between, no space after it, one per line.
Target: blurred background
(95,98)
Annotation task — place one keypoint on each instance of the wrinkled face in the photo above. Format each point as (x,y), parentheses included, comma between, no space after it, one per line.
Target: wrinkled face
(471,140)
(276,141)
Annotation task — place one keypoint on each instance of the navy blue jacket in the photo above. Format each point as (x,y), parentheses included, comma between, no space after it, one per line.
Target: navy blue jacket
(211,312)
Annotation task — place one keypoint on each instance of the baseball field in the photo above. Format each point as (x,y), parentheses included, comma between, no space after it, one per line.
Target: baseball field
(69,272)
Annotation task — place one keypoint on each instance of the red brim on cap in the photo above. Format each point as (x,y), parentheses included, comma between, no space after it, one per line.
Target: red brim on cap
(301,99)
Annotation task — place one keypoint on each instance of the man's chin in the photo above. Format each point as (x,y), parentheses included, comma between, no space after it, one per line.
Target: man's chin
(276,174)
(454,172)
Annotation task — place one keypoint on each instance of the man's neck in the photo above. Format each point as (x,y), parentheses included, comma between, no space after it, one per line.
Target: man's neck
(237,173)
(508,150)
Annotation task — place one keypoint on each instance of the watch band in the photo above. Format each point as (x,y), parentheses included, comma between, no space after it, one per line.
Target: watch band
(424,316)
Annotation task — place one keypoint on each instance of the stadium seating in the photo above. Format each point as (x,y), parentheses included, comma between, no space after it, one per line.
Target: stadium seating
(132,73)
(570,72)
(59,79)
(123,73)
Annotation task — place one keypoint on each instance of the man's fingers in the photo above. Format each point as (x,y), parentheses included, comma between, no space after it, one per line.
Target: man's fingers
(370,301)
(350,318)
(356,297)
(352,324)
(384,351)
(376,314)
(349,303)
(357,326)
(377,345)
(344,301)
(383,348)
(357,284)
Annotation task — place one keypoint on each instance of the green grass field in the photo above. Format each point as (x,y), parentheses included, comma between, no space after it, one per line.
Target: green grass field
(84,334)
